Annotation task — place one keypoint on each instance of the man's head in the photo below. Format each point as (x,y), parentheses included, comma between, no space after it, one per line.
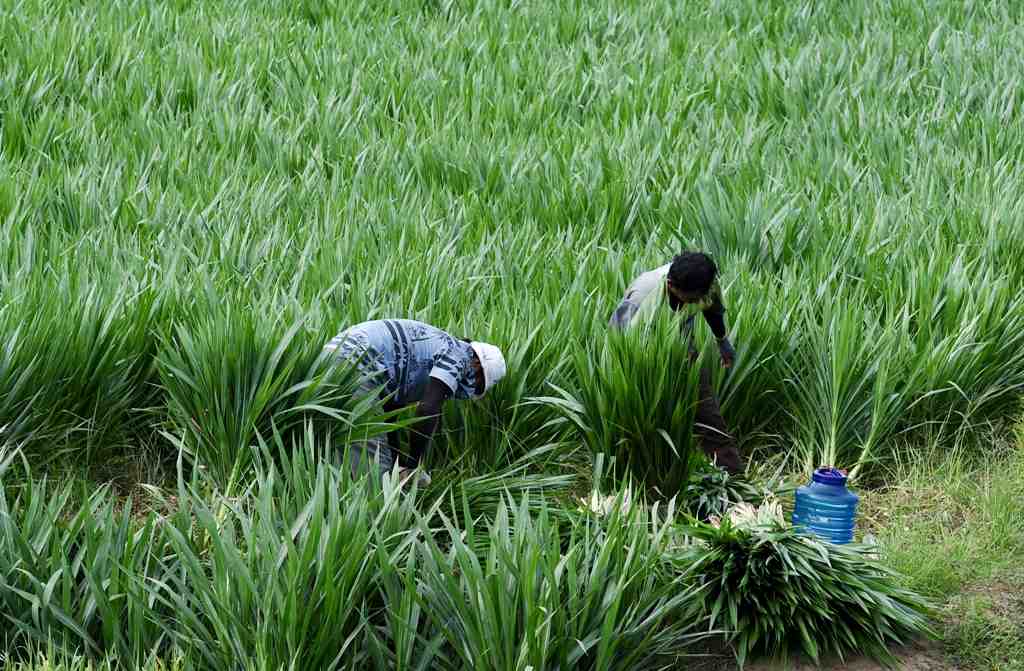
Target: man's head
(489,364)
(690,276)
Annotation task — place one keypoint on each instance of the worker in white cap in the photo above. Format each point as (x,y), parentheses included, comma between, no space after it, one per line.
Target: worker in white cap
(414,363)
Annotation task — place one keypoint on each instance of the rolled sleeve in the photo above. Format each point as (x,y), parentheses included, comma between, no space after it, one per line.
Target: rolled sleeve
(449,367)
(623,314)
(446,377)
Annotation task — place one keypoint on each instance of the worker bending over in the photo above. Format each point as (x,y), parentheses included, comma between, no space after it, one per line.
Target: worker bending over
(689,284)
(414,363)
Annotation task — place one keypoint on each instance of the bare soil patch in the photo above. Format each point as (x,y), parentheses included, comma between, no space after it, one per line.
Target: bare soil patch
(911,658)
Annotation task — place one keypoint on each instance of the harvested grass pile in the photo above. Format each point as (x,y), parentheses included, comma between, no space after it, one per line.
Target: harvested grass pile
(776,591)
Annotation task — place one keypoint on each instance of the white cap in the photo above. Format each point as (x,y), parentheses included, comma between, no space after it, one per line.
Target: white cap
(491,361)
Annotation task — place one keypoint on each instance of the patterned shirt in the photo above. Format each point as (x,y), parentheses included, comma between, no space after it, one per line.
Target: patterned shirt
(404,354)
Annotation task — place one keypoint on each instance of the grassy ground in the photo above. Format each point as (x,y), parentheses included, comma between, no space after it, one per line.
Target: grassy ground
(195,196)
(956,528)
(181,180)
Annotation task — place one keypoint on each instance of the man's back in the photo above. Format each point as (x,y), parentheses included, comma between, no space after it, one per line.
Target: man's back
(406,354)
(647,292)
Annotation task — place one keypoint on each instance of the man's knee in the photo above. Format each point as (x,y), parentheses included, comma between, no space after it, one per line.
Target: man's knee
(727,457)
(373,454)
(719,446)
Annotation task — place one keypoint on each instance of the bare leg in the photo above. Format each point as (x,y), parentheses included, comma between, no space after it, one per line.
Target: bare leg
(711,430)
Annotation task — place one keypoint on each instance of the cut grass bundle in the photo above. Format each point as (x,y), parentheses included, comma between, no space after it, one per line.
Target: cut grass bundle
(711,491)
(777,591)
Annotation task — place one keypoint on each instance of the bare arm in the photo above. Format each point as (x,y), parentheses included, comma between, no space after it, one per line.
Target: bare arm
(428,419)
(716,322)
(714,315)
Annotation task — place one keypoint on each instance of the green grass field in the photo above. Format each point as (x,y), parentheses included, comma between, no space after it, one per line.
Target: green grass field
(195,196)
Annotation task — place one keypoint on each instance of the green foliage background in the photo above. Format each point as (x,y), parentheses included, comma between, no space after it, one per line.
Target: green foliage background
(195,196)
(502,169)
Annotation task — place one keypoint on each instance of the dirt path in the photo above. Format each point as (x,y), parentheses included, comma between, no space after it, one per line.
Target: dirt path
(913,658)
(920,657)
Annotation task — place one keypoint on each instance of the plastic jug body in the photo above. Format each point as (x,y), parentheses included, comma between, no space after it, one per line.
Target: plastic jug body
(826,508)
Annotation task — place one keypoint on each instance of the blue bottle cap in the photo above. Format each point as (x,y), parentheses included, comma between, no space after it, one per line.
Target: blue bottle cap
(829,476)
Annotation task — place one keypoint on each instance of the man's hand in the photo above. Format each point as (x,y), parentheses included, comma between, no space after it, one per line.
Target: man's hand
(727,352)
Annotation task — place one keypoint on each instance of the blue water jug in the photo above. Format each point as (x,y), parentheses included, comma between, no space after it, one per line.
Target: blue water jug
(826,507)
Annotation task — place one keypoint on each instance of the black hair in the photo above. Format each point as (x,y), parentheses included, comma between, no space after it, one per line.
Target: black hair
(692,271)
